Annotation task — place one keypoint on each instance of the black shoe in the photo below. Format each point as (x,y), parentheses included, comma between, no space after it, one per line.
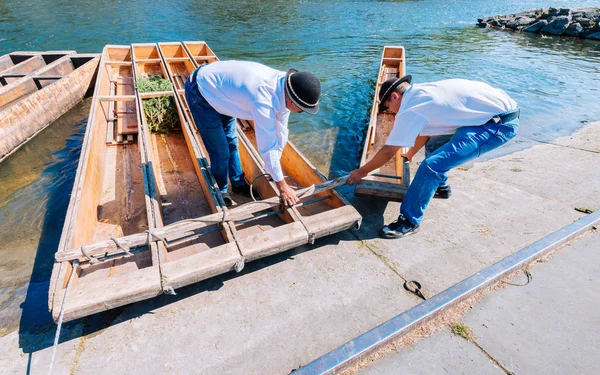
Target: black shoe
(245,191)
(399,228)
(443,192)
(227,199)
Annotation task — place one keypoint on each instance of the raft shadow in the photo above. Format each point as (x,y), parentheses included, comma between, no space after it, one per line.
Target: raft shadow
(97,322)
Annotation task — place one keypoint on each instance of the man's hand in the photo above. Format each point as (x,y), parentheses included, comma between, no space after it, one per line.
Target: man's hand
(288,196)
(355,176)
(408,156)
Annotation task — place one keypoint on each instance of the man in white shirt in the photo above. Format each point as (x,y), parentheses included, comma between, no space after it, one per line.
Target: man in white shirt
(479,117)
(220,92)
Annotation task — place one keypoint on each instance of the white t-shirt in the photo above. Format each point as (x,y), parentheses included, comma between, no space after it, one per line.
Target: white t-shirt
(441,107)
(251,91)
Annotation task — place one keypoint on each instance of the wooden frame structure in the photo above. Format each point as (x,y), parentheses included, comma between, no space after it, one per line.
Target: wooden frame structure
(392,179)
(146,216)
(36,88)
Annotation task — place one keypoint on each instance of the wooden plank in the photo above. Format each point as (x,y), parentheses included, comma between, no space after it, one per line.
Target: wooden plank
(173,230)
(201,266)
(273,241)
(11,94)
(387,190)
(116,98)
(150,95)
(332,221)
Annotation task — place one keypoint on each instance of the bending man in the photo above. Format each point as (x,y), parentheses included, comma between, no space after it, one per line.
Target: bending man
(479,117)
(218,93)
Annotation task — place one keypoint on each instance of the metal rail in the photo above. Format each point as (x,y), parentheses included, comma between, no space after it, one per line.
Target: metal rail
(353,351)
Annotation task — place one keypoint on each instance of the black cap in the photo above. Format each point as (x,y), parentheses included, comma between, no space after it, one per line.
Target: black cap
(303,89)
(388,87)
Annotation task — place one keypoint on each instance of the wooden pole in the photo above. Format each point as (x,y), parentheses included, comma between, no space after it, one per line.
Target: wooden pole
(109,247)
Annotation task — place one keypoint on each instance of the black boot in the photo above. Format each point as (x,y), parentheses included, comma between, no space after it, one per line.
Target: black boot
(443,192)
(227,199)
(245,191)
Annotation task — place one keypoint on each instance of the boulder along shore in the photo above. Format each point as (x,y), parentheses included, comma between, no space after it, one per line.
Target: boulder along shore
(580,22)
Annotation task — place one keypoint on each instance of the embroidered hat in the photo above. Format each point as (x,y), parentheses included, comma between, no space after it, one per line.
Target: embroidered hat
(303,89)
(388,87)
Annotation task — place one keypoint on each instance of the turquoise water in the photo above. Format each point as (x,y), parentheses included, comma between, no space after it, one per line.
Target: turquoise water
(555,81)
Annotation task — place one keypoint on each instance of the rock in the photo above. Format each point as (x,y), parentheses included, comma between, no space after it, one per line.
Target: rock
(564,12)
(557,26)
(589,13)
(536,27)
(532,13)
(594,36)
(580,22)
(495,23)
(519,22)
(585,22)
(574,29)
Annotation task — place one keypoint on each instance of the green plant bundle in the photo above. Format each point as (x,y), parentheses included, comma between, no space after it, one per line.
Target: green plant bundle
(161,113)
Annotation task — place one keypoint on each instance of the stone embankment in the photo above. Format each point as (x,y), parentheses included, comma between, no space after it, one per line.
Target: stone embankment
(581,22)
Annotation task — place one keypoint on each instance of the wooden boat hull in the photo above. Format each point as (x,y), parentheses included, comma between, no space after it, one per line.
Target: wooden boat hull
(392,180)
(167,181)
(37,98)
(109,198)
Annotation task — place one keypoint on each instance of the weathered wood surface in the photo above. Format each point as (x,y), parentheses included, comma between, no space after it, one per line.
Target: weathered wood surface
(108,247)
(22,120)
(176,177)
(387,190)
(393,65)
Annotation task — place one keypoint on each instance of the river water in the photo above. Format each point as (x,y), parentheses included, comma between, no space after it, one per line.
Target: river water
(554,80)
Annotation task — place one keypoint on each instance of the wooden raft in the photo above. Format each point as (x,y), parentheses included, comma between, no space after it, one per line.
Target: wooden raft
(36,88)
(391,180)
(144,194)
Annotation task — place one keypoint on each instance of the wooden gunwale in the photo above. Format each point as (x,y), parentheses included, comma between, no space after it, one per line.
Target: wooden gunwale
(394,187)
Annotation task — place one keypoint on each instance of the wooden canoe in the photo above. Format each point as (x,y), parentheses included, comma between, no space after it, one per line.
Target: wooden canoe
(38,87)
(392,179)
(155,182)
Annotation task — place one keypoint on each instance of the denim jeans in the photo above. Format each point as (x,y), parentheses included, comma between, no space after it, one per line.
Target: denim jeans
(220,138)
(435,142)
(466,144)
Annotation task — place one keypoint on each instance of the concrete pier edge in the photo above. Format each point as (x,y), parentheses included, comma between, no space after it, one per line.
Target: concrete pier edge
(355,350)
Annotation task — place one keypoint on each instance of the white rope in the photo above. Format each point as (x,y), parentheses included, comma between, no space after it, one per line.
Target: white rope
(124,247)
(61,316)
(88,256)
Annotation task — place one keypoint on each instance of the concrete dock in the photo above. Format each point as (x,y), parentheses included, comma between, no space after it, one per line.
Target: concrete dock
(549,326)
(283,312)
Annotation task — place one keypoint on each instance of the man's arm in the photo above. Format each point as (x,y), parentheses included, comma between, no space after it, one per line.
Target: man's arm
(383,156)
(419,143)
(270,150)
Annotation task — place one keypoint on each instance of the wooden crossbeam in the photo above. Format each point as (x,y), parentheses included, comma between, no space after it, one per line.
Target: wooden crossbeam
(108,247)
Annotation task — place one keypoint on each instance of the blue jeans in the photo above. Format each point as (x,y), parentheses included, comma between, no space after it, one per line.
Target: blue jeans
(219,134)
(435,142)
(466,144)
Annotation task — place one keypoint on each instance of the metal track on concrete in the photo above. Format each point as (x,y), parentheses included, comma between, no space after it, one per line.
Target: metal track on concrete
(353,351)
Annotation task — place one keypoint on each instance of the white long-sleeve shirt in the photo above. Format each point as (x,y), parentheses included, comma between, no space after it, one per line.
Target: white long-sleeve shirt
(251,91)
(441,107)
